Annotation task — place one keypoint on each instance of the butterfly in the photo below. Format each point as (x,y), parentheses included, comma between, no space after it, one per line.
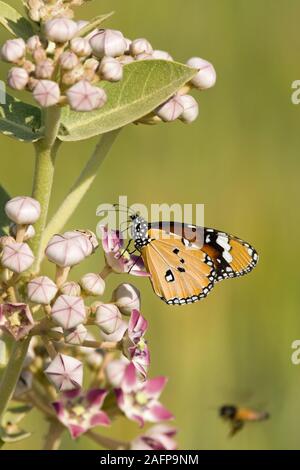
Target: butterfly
(185,261)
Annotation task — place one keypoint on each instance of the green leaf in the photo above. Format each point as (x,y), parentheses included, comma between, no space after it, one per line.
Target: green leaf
(14,22)
(4,220)
(20,120)
(94,24)
(145,85)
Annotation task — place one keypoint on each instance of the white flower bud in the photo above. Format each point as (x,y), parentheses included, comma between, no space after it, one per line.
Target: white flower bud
(140,46)
(17,78)
(117,335)
(76,336)
(81,47)
(125,59)
(190,109)
(33,43)
(144,56)
(206,77)
(13,50)
(44,69)
(85,97)
(128,44)
(60,30)
(127,297)
(71,288)
(93,284)
(39,55)
(73,76)
(108,42)
(163,55)
(110,69)
(23,210)
(17,257)
(41,290)
(171,110)
(65,251)
(85,238)
(108,318)
(68,311)
(65,372)
(46,93)
(29,232)
(68,60)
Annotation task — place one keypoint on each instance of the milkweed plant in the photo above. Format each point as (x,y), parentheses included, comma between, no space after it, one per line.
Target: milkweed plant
(63,351)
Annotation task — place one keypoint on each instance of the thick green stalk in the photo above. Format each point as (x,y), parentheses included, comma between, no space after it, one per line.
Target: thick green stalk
(46,150)
(45,156)
(12,372)
(80,187)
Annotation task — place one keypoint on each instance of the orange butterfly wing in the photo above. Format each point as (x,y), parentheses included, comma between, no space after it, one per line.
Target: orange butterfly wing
(179,274)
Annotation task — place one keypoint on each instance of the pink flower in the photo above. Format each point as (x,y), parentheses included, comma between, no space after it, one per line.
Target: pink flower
(16,319)
(65,372)
(80,412)
(85,97)
(158,437)
(134,345)
(17,256)
(139,400)
(117,257)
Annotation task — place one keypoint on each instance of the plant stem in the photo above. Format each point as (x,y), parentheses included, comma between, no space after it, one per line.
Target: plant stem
(12,373)
(53,438)
(80,187)
(46,150)
(106,442)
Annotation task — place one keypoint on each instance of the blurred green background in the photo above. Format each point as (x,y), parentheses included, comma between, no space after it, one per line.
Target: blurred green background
(241,159)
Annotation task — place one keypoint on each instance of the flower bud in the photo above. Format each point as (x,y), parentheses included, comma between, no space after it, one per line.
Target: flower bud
(71,288)
(144,56)
(117,335)
(73,76)
(140,46)
(46,93)
(206,77)
(60,30)
(81,47)
(128,44)
(39,55)
(17,257)
(68,60)
(23,210)
(85,238)
(93,284)
(111,70)
(171,110)
(115,371)
(108,42)
(65,372)
(44,69)
(29,233)
(127,297)
(108,318)
(162,55)
(85,97)
(17,78)
(91,64)
(65,251)
(190,109)
(33,43)
(28,66)
(13,50)
(41,290)
(125,59)
(68,311)
(76,336)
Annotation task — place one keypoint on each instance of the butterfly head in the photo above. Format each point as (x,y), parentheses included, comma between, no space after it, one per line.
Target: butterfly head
(139,231)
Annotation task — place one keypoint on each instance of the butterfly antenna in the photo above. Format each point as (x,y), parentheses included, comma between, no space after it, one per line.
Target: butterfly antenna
(122,208)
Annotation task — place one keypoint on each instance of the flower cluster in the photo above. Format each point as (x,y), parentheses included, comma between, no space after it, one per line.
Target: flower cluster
(74,334)
(67,61)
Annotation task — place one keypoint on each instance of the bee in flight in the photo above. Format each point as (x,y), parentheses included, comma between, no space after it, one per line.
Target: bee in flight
(237,417)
